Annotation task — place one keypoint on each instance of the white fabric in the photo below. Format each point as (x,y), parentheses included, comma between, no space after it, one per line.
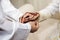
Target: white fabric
(10,10)
(51,10)
(13,30)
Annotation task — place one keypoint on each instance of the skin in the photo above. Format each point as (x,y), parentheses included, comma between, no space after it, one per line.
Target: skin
(31,17)
(34,26)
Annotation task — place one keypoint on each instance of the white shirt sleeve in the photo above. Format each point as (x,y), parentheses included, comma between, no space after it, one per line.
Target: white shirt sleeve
(1,15)
(16,31)
(22,26)
(21,31)
(50,10)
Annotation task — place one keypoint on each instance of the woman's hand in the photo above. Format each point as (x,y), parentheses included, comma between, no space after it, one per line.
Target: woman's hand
(29,16)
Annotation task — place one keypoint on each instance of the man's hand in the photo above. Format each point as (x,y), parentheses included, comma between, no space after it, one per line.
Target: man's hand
(29,16)
(34,26)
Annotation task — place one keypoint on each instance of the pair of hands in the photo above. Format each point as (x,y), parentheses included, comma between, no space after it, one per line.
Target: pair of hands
(31,18)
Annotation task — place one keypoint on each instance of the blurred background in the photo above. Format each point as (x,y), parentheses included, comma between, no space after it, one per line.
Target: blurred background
(38,4)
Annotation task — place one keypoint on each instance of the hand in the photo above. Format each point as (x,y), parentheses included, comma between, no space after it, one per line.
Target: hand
(29,16)
(34,26)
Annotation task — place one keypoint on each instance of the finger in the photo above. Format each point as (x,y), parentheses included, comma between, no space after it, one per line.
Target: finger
(31,16)
(35,16)
(21,19)
(28,15)
(24,20)
(25,15)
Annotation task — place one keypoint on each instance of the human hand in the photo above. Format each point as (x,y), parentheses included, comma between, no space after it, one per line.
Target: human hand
(29,16)
(34,26)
